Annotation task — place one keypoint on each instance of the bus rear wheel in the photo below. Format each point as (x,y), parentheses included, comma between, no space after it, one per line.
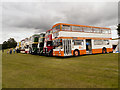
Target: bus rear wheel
(76,53)
(104,50)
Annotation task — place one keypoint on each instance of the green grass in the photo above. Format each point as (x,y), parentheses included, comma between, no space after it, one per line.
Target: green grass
(32,71)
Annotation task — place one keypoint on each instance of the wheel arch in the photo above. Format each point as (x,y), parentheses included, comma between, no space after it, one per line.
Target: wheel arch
(104,48)
(76,50)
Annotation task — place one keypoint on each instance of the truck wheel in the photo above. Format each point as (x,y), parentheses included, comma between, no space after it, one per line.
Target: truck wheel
(39,54)
(76,53)
(50,54)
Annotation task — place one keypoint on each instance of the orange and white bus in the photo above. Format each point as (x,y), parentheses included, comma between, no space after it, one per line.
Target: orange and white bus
(75,40)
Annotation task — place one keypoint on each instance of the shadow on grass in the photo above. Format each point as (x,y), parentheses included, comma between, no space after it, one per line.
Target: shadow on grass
(67,57)
(59,57)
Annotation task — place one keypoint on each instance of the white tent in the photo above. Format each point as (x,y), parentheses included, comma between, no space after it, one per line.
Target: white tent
(115,46)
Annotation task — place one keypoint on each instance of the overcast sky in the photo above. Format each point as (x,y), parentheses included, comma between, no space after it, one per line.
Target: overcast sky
(23,19)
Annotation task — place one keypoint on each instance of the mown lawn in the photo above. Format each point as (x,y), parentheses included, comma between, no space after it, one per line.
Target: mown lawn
(32,71)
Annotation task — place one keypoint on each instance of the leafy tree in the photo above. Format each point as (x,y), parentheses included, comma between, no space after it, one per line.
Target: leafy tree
(0,46)
(118,29)
(5,45)
(11,43)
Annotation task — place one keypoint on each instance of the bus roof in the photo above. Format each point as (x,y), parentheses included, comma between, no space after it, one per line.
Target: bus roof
(48,30)
(35,35)
(22,40)
(79,25)
(42,32)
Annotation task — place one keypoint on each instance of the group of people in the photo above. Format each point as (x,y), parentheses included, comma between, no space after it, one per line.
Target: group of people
(10,51)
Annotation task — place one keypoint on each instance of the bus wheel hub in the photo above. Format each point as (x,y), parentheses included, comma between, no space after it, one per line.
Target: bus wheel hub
(76,53)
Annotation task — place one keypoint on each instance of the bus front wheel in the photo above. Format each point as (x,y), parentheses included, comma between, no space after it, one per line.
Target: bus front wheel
(76,53)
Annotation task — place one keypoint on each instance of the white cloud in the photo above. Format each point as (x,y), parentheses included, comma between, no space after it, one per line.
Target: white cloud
(23,19)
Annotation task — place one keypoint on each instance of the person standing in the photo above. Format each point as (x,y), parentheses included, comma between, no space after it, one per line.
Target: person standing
(10,51)
(14,51)
(17,50)
(7,52)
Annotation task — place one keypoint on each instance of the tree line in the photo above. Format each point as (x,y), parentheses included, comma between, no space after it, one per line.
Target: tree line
(11,43)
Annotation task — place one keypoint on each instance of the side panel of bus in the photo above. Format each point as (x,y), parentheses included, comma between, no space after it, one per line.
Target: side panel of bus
(98,48)
(88,47)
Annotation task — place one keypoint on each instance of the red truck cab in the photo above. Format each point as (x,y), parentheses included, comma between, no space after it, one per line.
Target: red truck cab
(48,46)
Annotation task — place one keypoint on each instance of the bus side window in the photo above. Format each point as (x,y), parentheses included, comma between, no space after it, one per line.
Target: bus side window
(78,42)
(97,30)
(66,27)
(106,42)
(105,31)
(58,27)
(98,42)
(77,28)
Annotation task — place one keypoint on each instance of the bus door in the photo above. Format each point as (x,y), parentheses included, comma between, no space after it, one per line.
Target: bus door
(67,47)
(88,46)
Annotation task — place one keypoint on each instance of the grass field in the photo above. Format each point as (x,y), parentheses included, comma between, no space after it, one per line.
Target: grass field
(32,71)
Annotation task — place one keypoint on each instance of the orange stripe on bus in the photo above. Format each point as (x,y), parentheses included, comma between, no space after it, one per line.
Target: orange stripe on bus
(94,51)
(77,38)
(56,53)
(79,25)
(109,49)
(82,52)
